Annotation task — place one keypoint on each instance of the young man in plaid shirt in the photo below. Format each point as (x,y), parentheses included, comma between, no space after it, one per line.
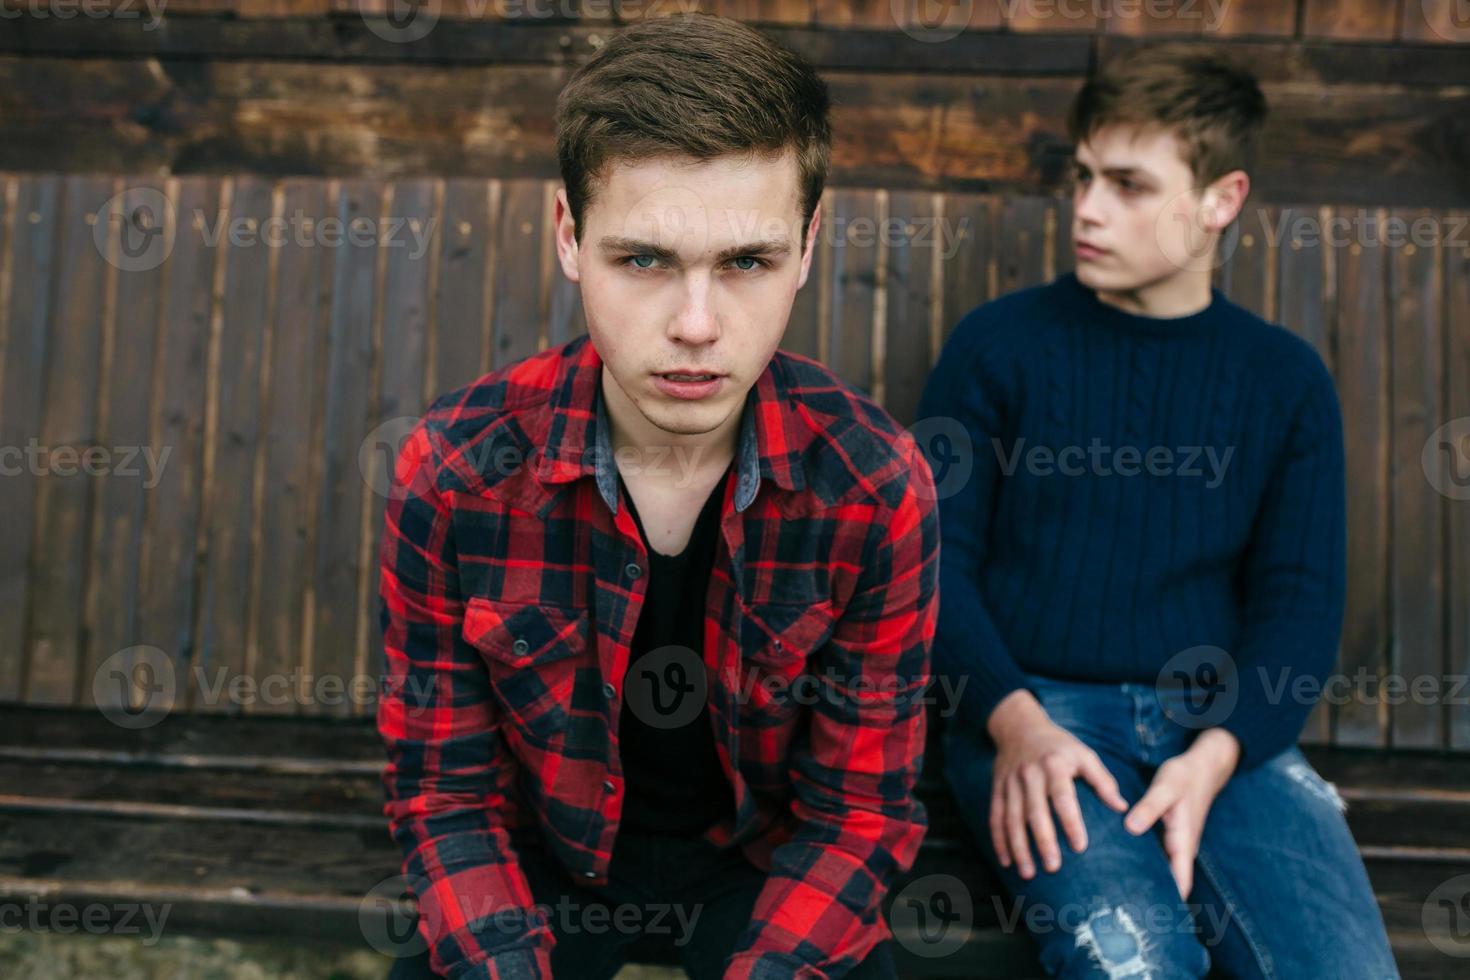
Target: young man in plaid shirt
(657,603)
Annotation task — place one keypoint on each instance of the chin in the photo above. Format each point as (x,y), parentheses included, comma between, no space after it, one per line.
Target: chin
(1109,280)
(687,419)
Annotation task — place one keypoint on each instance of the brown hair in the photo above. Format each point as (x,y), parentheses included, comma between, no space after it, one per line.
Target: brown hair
(695,85)
(1212,107)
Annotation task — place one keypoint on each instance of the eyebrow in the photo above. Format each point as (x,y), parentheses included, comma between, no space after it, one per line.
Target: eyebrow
(1115,172)
(766,248)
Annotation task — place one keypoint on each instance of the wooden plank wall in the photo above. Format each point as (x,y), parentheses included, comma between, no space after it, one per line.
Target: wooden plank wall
(1368,97)
(278,377)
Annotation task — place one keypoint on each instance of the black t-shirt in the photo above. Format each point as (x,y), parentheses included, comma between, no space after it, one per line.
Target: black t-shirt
(674,782)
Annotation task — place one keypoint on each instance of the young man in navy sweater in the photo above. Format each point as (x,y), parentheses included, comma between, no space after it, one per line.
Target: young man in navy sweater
(1144,570)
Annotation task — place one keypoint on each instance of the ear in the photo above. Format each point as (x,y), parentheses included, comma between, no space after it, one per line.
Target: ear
(809,247)
(1223,200)
(567,251)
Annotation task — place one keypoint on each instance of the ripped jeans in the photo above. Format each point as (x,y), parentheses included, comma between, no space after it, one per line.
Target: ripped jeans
(1279,888)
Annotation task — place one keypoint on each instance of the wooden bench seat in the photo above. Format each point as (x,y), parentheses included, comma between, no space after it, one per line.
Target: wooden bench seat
(274,827)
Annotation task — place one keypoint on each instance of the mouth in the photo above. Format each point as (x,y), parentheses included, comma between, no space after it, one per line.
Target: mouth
(1087,250)
(688,384)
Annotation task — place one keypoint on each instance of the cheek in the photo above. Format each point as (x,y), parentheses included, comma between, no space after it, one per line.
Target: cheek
(1151,234)
(613,299)
(760,310)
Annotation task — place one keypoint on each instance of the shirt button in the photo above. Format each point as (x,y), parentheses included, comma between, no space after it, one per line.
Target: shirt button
(520,646)
(607,784)
(632,570)
(589,874)
(608,690)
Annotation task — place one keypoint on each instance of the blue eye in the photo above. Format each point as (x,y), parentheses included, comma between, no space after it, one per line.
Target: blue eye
(754,263)
(638,261)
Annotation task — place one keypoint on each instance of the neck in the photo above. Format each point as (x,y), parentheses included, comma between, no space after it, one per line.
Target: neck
(633,435)
(1182,294)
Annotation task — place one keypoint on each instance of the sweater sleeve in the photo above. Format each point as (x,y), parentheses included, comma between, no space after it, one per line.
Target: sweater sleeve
(1294,580)
(961,427)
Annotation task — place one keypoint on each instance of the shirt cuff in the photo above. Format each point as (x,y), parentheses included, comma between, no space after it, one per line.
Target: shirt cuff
(770,966)
(513,964)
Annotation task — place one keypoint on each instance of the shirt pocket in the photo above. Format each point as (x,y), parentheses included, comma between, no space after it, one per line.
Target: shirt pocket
(532,653)
(777,640)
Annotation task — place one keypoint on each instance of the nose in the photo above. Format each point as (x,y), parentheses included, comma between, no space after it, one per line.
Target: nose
(697,322)
(1085,206)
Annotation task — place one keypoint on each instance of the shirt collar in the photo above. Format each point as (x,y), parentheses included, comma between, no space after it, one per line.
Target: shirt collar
(773,435)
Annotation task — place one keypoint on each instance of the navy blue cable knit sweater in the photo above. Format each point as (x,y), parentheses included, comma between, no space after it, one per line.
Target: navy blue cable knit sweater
(1142,493)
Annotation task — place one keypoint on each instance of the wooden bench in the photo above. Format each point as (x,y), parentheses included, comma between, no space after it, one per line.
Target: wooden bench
(252,826)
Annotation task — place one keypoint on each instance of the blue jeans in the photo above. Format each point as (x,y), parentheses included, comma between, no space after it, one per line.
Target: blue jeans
(1279,888)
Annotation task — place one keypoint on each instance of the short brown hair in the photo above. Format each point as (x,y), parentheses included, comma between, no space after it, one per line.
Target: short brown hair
(695,85)
(1212,107)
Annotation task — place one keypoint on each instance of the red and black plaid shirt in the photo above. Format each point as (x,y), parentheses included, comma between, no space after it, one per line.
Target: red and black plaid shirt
(511,586)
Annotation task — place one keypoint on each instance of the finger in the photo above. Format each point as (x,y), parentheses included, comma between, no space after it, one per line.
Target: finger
(1146,812)
(1038,813)
(1020,844)
(1180,844)
(1101,779)
(1064,800)
(998,822)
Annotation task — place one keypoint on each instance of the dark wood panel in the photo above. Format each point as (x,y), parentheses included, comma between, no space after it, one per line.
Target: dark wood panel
(30,228)
(192,740)
(176,508)
(174,792)
(120,499)
(338,522)
(1358,20)
(1305,287)
(267,401)
(1417,558)
(68,428)
(970,272)
(804,328)
(522,282)
(408,245)
(283,571)
(245,314)
(351,40)
(1362,382)
(1257,18)
(1368,142)
(912,303)
(463,302)
(1457,462)
(853,285)
(1023,243)
(1247,273)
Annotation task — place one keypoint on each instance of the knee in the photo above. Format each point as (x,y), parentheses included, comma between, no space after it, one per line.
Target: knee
(1117,942)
